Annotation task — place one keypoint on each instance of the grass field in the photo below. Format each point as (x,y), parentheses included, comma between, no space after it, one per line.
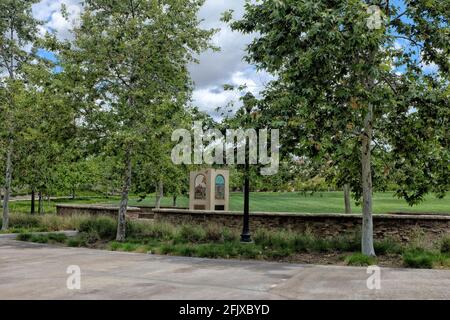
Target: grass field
(320,202)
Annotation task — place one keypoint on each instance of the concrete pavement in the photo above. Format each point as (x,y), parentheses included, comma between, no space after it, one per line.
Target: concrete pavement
(36,271)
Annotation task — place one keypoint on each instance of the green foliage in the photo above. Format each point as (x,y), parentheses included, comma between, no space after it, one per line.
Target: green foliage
(79,241)
(338,78)
(137,67)
(57,237)
(99,227)
(419,258)
(227,250)
(359,259)
(24,221)
(445,245)
(214,241)
(144,230)
(388,246)
(297,242)
(43,238)
(24,236)
(190,233)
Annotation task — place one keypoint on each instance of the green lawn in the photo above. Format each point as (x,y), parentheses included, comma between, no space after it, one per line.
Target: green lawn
(320,202)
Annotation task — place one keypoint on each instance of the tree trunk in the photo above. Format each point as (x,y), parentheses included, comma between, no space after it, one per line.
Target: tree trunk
(33,201)
(41,202)
(159,194)
(174,202)
(367,223)
(8,178)
(73,193)
(348,205)
(1,197)
(121,225)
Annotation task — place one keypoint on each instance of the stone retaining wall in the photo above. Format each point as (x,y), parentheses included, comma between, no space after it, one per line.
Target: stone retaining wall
(400,227)
(69,209)
(135,212)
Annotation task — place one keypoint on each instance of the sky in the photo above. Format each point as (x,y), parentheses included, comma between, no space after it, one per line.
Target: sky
(215,68)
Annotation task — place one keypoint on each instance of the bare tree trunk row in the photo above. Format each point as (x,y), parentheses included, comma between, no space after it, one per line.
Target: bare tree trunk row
(159,194)
(121,226)
(33,201)
(40,203)
(348,205)
(367,223)
(8,179)
(174,202)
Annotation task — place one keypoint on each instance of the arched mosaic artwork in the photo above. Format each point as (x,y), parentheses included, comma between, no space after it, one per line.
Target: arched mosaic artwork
(200,187)
(220,187)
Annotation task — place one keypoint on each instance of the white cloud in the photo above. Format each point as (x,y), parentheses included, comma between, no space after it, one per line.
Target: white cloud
(209,98)
(429,67)
(215,68)
(49,11)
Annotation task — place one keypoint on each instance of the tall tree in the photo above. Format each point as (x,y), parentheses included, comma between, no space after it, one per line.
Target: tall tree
(132,56)
(17,30)
(45,141)
(346,70)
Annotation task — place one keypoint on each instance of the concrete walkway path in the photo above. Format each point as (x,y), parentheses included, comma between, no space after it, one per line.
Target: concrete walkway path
(36,271)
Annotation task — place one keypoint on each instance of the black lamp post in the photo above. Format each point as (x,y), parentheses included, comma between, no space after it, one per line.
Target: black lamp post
(245,236)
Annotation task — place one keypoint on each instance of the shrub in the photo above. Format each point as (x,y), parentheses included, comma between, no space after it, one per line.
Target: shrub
(48,222)
(187,250)
(104,228)
(26,221)
(39,238)
(135,229)
(157,230)
(51,222)
(78,241)
(214,233)
(249,251)
(229,235)
(320,245)
(445,245)
(419,258)
(278,254)
(274,239)
(57,237)
(189,233)
(387,246)
(114,245)
(359,259)
(289,241)
(24,236)
(345,244)
(73,222)
(302,243)
(42,238)
(166,248)
(211,251)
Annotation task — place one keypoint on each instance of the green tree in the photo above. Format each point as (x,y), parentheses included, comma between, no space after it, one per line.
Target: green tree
(132,57)
(340,75)
(45,141)
(17,30)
